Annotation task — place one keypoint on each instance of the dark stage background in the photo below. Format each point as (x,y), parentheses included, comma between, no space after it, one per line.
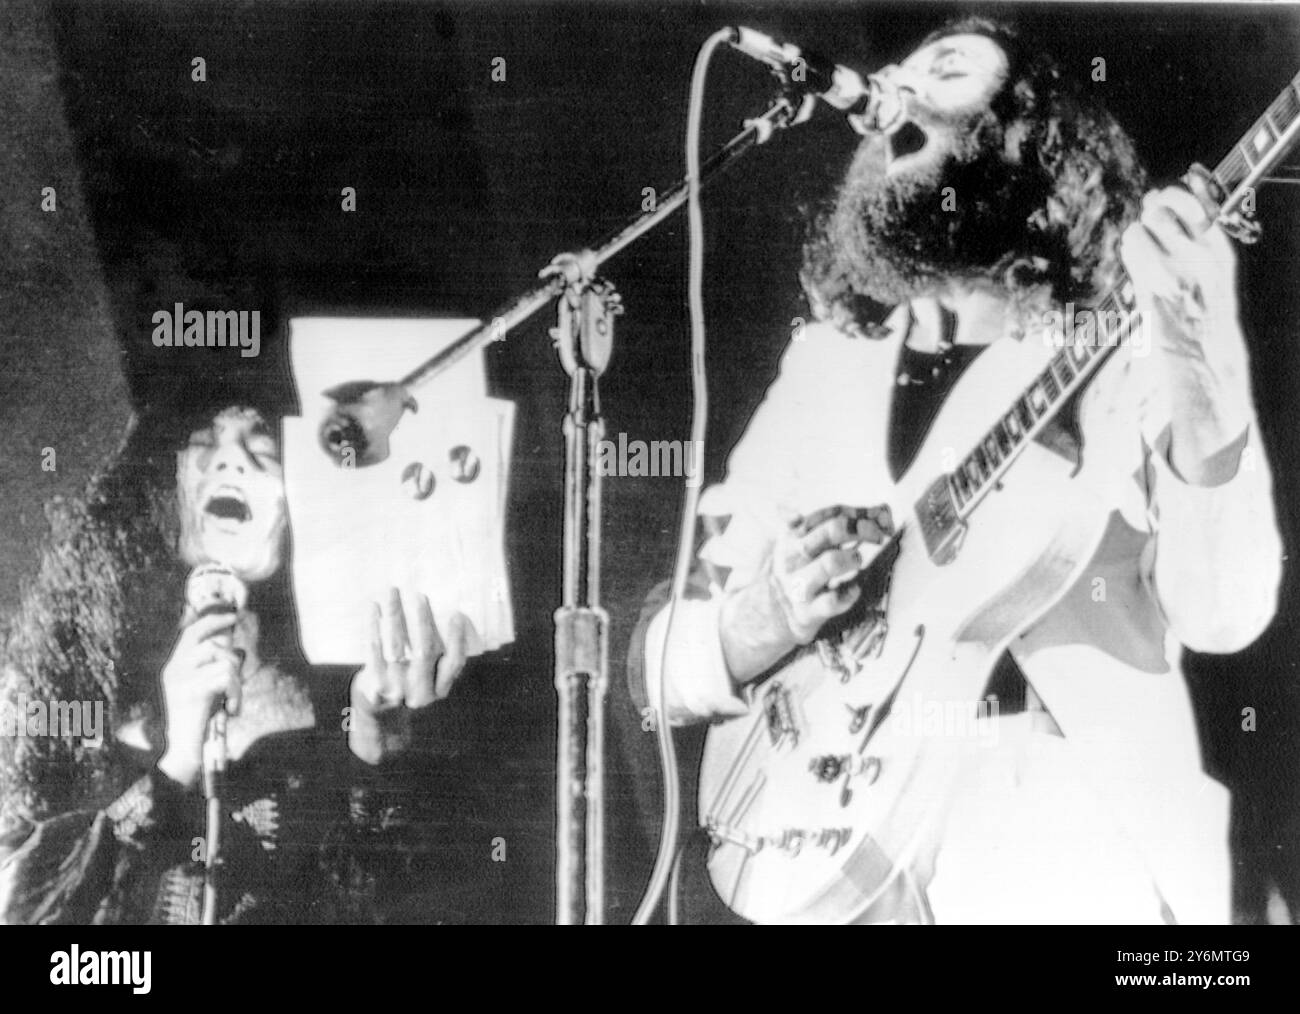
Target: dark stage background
(227,193)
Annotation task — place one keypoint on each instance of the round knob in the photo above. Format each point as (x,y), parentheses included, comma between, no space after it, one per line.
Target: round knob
(827,768)
(465,464)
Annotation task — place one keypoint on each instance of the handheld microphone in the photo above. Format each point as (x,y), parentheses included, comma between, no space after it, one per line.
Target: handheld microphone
(871,104)
(214,588)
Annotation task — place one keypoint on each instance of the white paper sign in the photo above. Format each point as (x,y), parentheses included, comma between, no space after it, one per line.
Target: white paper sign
(358,532)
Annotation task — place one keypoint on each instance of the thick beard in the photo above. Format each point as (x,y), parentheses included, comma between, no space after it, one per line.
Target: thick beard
(894,239)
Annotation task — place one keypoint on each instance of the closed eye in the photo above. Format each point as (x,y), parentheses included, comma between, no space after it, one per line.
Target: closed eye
(263,459)
(259,442)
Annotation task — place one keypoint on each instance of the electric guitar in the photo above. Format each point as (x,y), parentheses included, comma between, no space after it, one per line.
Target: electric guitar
(818,799)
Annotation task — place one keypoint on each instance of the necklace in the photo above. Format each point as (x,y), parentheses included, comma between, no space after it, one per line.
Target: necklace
(939,369)
(917,369)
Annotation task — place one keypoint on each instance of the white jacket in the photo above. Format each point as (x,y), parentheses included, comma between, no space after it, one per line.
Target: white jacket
(1182,565)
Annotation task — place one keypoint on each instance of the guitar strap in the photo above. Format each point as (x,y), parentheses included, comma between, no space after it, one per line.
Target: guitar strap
(922,380)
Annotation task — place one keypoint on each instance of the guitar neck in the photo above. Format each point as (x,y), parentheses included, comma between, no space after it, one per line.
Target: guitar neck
(1114,318)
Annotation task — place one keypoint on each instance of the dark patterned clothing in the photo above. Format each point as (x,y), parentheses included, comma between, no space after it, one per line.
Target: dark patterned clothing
(309,835)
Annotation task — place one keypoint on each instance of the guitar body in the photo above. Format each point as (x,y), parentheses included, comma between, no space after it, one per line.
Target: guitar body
(823,801)
(819,799)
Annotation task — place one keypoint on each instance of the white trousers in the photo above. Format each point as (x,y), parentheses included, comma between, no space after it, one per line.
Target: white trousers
(1042,831)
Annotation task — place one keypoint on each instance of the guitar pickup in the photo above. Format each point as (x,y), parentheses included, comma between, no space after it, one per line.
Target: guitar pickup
(941,523)
(779,709)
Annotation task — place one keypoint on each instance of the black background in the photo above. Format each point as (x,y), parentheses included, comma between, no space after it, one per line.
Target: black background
(228,193)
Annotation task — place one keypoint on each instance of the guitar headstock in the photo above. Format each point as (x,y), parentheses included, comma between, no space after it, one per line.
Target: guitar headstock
(1231,185)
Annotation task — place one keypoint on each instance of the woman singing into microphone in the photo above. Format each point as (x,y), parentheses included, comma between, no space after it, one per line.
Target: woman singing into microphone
(114,831)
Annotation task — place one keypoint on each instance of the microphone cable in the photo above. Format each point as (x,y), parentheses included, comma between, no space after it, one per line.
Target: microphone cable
(665,860)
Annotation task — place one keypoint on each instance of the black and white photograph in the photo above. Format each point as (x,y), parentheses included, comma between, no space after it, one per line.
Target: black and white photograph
(622,463)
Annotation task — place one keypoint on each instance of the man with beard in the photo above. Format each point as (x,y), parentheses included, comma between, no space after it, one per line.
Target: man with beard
(995,196)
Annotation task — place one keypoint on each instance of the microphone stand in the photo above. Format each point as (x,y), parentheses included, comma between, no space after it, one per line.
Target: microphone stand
(214,586)
(584,337)
(584,340)
(789,109)
(214,770)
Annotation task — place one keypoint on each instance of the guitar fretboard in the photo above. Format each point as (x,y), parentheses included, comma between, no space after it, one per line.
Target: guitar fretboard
(1111,321)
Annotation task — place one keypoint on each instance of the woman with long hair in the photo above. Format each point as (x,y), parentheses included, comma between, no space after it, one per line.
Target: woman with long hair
(114,830)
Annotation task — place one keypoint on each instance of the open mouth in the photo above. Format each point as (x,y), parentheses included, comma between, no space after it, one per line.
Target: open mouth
(228,507)
(908,139)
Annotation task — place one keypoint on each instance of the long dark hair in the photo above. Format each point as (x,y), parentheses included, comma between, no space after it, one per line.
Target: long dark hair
(99,619)
(1091,177)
